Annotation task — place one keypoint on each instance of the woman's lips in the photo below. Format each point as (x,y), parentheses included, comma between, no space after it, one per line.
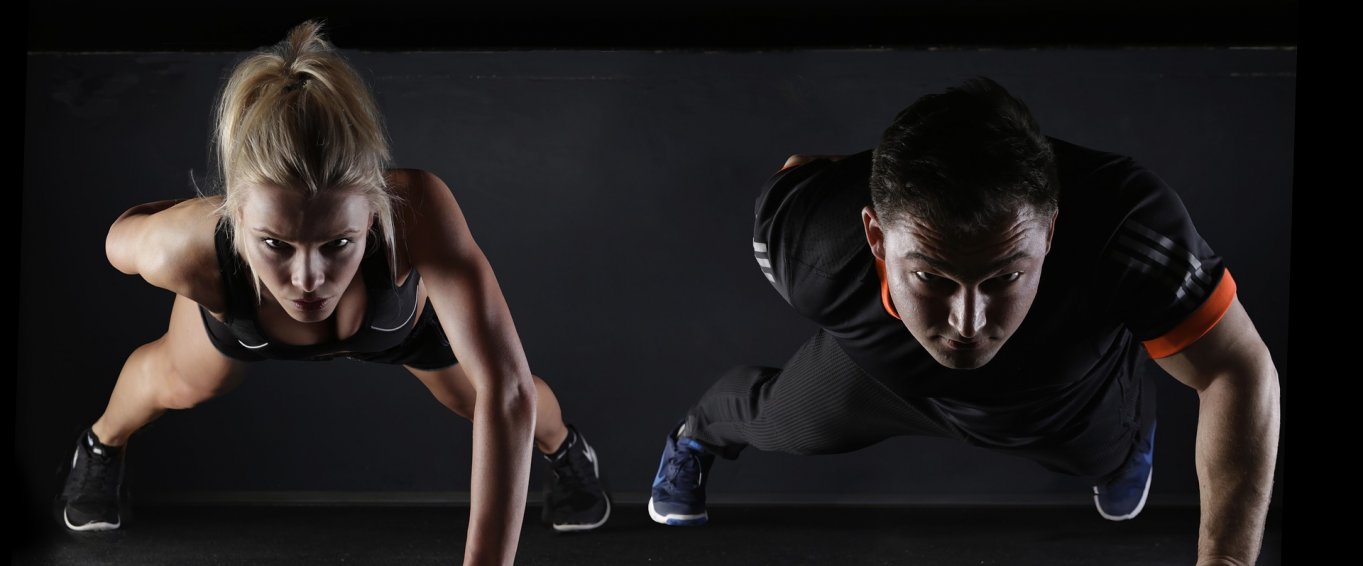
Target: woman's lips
(309,304)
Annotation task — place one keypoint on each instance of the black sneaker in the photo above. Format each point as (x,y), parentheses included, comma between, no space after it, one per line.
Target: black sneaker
(573,497)
(91,493)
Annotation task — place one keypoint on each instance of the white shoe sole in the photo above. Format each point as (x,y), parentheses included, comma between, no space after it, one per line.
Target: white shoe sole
(1139,506)
(574,528)
(89,527)
(676,520)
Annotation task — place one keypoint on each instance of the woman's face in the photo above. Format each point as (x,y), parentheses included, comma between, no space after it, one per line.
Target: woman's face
(305,250)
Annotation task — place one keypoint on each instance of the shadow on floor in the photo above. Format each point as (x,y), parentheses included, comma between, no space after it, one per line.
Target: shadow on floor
(784,535)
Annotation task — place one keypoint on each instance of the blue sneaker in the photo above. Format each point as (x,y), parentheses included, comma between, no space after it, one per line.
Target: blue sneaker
(679,488)
(1123,495)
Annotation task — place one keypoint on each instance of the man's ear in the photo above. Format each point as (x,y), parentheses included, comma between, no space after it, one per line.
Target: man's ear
(875,236)
(1050,232)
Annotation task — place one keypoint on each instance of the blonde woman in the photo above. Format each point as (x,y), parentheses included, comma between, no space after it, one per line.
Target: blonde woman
(316,249)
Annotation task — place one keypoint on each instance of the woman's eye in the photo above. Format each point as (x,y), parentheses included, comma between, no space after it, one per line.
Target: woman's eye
(341,243)
(274,244)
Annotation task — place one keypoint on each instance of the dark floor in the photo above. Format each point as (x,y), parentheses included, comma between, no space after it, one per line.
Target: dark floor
(782,535)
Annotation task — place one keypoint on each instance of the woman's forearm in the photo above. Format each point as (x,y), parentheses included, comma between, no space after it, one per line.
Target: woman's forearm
(503,428)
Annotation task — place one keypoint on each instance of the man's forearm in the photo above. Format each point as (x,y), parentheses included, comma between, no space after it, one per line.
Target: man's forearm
(1237,446)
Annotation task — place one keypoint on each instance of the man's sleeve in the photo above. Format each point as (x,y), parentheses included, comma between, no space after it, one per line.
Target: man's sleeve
(768,245)
(1171,287)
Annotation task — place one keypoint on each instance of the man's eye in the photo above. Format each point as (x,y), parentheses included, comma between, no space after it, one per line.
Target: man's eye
(926,277)
(1011,277)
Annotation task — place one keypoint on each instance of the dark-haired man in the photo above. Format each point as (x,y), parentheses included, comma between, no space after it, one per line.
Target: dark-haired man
(974,279)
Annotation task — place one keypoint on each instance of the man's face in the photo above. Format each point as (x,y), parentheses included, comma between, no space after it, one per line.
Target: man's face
(961,296)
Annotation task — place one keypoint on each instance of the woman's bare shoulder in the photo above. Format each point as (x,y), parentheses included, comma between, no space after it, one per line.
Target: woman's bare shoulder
(174,248)
(408,184)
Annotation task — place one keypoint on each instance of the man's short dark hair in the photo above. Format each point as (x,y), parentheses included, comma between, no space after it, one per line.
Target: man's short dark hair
(963,160)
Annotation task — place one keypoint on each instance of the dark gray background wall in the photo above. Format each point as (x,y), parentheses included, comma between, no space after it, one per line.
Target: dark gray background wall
(231,25)
(612,192)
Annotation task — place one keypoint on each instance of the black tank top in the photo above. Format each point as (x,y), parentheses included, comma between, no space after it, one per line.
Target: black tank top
(389,318)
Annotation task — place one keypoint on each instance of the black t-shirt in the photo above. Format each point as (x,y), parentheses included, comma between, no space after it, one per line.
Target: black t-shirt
(1126,266)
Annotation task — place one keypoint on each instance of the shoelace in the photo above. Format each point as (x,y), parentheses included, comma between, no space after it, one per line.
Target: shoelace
(93,478)
(683,471)
(569,476)
(574,474)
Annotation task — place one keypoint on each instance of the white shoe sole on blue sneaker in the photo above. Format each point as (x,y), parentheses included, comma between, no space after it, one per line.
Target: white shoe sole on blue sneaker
(89,527)
(677,520)
(1137,511)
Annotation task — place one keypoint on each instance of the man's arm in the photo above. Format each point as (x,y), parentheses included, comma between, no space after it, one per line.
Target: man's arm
(1237,435)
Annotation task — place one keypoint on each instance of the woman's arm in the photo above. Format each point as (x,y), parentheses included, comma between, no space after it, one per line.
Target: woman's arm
(170,244)
(474,315)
